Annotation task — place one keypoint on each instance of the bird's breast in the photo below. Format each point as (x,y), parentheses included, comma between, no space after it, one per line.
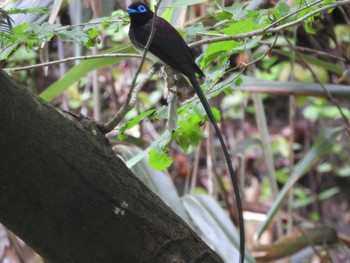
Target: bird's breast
(140,44)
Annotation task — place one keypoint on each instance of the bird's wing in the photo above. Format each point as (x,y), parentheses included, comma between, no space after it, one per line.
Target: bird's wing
(168,46)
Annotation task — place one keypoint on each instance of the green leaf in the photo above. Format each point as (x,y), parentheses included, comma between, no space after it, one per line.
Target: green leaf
(237,11)
(282,10)
(240,27)
(27,10)
(75,35)
(202,113)
(180,3)
(79,71)
(92,38)
(159,160)
(194,29)
(21,28)
(168,13)
(45,31)
(188,133)
(130,124)
(5,52)
(216,49)
(238,81)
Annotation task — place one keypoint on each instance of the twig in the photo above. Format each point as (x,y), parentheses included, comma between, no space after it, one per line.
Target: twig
(305,49)
(326,91)
(291,14)
(85,24)
(128,103)
(72,59)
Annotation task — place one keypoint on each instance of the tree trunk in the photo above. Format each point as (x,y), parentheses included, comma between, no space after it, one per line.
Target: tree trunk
(65,193)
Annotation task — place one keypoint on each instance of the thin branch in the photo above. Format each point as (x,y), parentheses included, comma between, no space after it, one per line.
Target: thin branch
(328,94)
(72,59)
(268,29)
(291,14)
(86,24)
(127,104)
(326,91)
(306,50)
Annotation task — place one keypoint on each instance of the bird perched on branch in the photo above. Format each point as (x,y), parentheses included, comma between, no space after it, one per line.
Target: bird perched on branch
(170,49)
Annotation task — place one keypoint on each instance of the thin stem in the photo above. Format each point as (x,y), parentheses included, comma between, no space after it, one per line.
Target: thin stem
(85,24)
(72,59)
(305,49)
(291,14)
(128,104)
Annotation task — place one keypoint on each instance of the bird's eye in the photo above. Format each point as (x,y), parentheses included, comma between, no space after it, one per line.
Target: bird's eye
(142,9)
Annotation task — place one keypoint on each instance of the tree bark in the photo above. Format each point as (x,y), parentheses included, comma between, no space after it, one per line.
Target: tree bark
(65,193)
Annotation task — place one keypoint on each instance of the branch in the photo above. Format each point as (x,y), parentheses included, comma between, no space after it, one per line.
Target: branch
(86,24)
(268,29)
(57,195)
(72,59)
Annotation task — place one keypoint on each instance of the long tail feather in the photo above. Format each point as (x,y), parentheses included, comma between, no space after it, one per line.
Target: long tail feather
(233,175)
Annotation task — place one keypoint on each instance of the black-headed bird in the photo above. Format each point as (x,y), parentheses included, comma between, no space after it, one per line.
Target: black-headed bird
(170,49)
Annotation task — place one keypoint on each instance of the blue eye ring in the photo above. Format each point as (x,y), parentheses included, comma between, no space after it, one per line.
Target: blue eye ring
(142,9)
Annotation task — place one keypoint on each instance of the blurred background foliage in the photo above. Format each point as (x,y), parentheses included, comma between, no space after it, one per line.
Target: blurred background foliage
(279,87)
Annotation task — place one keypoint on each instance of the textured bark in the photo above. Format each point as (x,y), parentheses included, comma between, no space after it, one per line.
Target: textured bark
(64,192)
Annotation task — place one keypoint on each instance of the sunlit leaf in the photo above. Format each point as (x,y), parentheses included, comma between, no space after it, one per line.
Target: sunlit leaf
(188,134)
(159,160)
(132,123)
(238,81)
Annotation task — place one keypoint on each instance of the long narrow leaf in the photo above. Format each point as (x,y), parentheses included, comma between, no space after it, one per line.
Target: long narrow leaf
(77,72)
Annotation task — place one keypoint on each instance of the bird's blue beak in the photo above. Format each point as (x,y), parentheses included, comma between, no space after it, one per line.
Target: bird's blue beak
(131,11)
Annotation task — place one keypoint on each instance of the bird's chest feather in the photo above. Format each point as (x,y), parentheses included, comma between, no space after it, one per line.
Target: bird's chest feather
(139,38)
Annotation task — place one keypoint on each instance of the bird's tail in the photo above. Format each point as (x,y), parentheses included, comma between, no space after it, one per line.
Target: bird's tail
(233,174)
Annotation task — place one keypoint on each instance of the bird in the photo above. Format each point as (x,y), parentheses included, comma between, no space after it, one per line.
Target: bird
(168,48)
